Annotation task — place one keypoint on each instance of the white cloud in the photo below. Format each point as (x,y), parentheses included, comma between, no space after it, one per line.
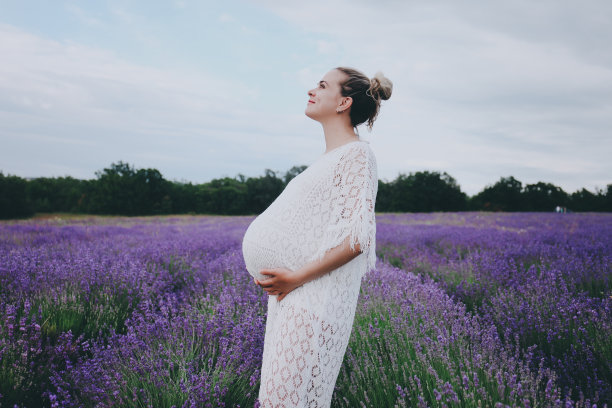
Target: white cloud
(512,88)
(326,47)
(83,16)
(226,18)
(123,15)
(66,104)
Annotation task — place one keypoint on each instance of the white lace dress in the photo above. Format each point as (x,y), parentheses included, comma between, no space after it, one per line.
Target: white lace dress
(308,331)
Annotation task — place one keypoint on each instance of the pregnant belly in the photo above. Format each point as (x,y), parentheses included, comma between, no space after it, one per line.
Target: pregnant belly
(263,247)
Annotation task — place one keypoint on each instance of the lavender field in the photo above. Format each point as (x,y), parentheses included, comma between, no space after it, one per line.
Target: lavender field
(463,310)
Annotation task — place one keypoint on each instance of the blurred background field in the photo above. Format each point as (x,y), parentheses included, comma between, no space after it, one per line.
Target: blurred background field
(464,309)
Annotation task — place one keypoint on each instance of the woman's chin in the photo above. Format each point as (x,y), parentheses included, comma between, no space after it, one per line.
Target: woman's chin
(310,114)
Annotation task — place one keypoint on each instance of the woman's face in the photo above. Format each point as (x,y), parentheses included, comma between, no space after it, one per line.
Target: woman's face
(325,98)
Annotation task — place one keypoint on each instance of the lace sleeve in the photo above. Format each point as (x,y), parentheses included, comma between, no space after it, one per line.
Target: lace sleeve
(351,202)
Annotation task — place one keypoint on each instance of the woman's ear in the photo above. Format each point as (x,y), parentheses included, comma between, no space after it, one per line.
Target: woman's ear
(345,103)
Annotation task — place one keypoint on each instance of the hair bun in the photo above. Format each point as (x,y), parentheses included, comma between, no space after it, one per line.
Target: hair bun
(367,94)
(380,86)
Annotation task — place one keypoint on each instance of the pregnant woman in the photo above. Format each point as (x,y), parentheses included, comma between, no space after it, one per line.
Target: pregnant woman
(310,248)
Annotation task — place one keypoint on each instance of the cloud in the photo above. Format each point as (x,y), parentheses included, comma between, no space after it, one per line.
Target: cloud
(64,104)
(83,16)
(514,87)
(123,15)
(326,47)
(226,18)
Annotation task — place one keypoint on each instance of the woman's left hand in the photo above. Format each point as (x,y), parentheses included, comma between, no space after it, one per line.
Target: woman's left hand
(281,281)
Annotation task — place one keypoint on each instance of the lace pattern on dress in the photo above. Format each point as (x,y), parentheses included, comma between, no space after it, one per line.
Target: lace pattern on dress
(352,196)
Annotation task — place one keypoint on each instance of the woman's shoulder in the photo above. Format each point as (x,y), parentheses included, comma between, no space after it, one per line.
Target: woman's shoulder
(360,151)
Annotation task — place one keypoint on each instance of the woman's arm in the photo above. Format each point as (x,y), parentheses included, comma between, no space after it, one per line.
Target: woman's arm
(282,280)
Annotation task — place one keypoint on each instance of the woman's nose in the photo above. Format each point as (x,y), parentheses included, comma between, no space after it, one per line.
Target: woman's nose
(310,93)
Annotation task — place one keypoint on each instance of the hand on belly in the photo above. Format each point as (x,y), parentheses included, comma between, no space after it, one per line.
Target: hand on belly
(278,281)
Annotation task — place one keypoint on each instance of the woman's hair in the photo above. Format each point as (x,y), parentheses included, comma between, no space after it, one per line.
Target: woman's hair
(366,93)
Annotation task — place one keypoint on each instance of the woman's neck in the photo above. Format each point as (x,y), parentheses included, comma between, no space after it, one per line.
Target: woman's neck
(338,133)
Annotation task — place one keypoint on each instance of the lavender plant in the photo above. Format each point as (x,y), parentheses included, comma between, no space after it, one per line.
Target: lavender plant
(464,309)
(542,279)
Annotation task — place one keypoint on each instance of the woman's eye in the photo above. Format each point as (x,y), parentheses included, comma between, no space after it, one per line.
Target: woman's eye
(321,86)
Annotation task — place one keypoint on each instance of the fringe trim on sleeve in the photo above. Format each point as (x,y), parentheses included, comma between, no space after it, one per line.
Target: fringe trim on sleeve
(361,231)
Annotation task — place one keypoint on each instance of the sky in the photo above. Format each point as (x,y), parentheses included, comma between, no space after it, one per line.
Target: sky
(208,89)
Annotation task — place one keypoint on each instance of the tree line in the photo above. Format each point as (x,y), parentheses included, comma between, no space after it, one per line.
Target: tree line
(123,190)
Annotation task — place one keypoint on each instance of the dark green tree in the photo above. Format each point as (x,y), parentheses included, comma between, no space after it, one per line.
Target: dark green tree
(113,193)
(384,197)
(120,189)
(61,194)
(151,192)
(14,201)
(262,191)
(608,198)
(584,200)
(226,196)
(505,195)
(123,190)
(422,191)
(543,197)
(183,196)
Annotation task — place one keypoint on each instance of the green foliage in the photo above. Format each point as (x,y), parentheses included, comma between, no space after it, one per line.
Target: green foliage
(14,202)
(57,194)
(508,194)
(587,201)
(505,195)
(544,197)
(422,191)
(122,190)
(263,190)
(225,196)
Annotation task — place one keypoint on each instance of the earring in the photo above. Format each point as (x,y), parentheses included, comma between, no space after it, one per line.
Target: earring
(339,111)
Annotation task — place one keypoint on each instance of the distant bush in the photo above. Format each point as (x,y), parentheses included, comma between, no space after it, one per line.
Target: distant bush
(14,201)
(123,190)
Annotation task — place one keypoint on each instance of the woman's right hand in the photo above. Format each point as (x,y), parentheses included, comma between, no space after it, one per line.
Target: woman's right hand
(280,283)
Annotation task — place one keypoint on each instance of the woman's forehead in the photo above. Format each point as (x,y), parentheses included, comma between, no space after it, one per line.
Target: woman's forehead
(334,76)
